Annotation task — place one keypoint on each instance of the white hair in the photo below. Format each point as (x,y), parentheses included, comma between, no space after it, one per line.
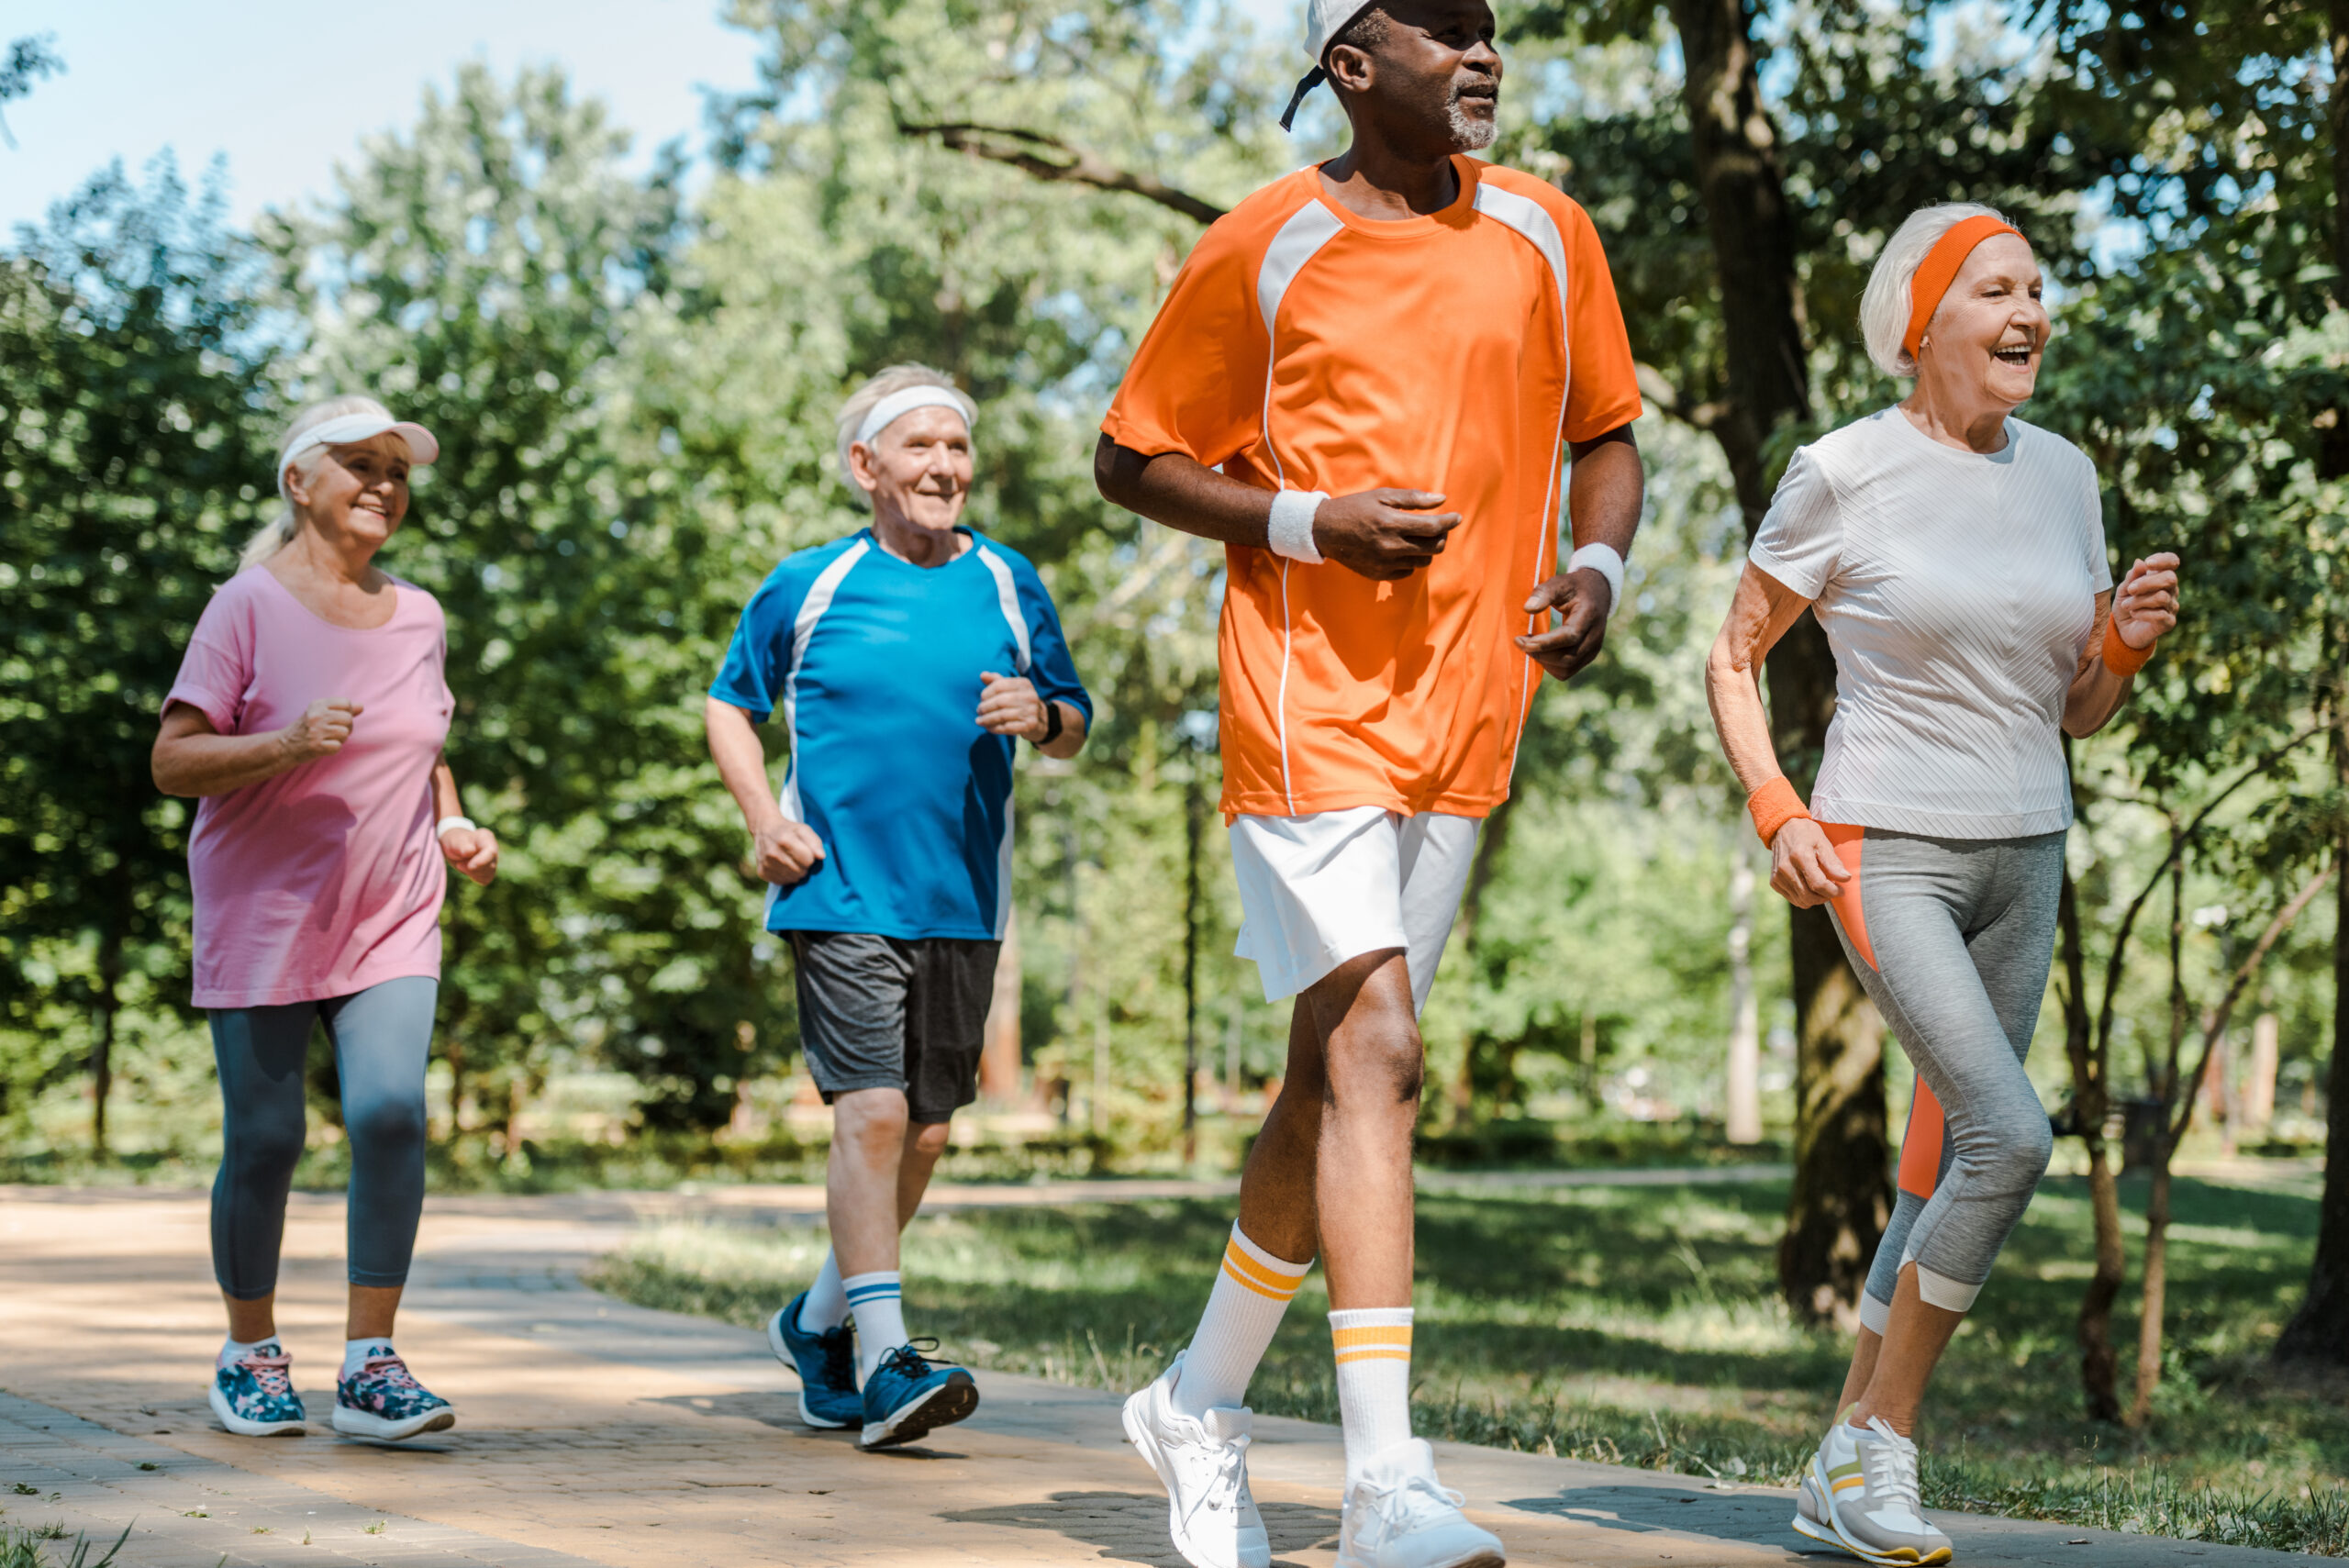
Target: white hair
(1885,307)
(279,531)
(896,378)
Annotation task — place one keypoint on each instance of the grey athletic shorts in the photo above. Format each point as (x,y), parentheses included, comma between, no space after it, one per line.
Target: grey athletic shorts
(886,1013)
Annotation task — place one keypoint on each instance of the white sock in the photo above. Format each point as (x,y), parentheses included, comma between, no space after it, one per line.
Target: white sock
(356,1352)
(878,1303)
(826,1304)
(1373,1346)
(1252,1290)
(231,1349)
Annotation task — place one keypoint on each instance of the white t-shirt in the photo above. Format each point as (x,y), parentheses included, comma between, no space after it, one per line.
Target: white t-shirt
(1958,591)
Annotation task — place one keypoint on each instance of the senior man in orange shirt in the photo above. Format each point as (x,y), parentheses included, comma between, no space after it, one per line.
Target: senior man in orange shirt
(1361,386)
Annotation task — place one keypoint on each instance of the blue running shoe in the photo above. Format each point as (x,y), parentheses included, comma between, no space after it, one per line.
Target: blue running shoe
(906,1398)
(383,1400)
(253,1396)
(826,1364)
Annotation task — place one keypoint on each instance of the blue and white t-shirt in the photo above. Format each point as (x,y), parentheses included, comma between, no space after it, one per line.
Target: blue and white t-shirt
(875,663)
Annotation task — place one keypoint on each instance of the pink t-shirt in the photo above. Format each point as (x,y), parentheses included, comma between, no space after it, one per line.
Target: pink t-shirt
(326,878)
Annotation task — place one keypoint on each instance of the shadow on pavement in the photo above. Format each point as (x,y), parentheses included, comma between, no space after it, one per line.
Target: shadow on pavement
(1755,1518)
(1131,1526)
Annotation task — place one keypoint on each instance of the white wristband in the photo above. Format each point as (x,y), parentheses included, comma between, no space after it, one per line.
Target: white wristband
(446,824)
(1601,558)
(1290,531)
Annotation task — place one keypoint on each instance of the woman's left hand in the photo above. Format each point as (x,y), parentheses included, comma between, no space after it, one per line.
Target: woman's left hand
(473,851)
(2146,603)
(1008,705)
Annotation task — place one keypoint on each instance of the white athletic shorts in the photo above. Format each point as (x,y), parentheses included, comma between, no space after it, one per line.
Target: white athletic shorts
(1317,889)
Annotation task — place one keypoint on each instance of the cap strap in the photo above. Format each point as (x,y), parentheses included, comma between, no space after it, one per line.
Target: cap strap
(1306,83)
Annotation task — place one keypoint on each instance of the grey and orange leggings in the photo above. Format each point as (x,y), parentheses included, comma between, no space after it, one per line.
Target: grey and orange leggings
(1952,939)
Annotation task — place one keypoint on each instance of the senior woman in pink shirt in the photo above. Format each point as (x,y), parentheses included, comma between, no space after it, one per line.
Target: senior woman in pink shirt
(308,718)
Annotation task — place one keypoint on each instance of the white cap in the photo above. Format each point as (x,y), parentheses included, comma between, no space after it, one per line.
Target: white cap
(1325,19)
(345,428)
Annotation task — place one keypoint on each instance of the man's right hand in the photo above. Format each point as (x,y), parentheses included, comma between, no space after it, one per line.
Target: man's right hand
(785,851)
(1384,535)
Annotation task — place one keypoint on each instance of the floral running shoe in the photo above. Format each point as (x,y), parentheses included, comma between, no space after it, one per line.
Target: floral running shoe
(383,1400)
(253,1396)
(826,1364)
(906,1397)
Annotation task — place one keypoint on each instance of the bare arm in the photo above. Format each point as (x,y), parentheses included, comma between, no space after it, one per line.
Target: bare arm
(1804,867)
(473,851)
(784,851)
(1604,491)
(1380,534)
(191,758)
(2145,606)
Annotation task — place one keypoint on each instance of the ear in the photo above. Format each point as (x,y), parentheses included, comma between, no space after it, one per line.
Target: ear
(860,469)
(297,489)
(1349,69)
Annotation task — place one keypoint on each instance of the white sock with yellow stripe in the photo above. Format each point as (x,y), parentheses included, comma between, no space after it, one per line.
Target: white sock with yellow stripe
(1373,1346)
(1252,1291)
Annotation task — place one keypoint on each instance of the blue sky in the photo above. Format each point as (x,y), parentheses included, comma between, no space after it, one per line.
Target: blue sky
(286,90)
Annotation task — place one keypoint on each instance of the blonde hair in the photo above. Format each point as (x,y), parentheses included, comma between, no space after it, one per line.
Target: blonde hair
(896,378)
(1885,307)
(279,531)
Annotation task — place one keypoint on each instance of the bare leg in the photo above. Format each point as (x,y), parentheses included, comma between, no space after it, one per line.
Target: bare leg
(1276,1208)
(250,1322)
(925,1143)
(373,1308)
(1914,1338)
(861,1179)
(1856,1382)
(1371,1068)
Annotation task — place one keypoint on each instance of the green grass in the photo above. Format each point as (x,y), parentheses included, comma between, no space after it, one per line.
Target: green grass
(1641,1326)
(22,1549)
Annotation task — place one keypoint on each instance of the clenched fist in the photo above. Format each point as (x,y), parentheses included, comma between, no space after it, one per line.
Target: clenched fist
(324,725)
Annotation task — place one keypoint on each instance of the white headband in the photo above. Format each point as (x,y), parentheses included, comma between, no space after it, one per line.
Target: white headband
(345,428)
(903,401)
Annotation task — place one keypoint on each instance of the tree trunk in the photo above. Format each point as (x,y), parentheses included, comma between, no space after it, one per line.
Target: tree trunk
(2149,1327)
(2091,1103)
(1843,1177)
(102,1053)
(2319,1331)
(1742,1120)
(1191,965)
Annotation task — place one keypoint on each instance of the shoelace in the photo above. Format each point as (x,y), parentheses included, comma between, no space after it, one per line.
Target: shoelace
(914,1358)
(392,1369)
(1230,1467)
(1405,1503)
(840,1359)
(270,1373)
(1892,1467)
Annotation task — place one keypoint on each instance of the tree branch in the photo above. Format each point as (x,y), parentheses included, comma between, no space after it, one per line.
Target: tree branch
(1050,158)
(2244,973)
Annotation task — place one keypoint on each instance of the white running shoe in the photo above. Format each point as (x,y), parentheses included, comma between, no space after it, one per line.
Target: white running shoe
(1397,1515)
(1869,1479)
(1204,1467)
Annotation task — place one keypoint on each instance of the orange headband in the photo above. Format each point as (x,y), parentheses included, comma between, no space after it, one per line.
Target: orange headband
(1939,270)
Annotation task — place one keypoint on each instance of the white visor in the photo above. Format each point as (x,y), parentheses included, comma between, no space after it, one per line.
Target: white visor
(345,428)
(903,401)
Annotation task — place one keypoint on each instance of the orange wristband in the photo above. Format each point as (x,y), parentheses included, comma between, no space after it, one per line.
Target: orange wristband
(1774,806)
(2118,657)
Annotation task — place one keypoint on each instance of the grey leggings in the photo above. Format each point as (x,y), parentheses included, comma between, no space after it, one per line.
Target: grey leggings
(381,1036)
(1952,938)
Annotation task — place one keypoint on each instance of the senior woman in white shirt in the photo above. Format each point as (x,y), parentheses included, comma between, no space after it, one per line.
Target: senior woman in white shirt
(1955,555)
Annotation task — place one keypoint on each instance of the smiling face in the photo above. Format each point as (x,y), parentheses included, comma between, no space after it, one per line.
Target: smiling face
(357,494)
(918,470)
(1982,348)
(1430,74)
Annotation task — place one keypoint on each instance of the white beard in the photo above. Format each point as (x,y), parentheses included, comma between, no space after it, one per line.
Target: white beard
(1470,135)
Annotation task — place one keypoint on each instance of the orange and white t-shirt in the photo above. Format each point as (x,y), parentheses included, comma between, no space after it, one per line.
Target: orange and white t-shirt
(1306,348)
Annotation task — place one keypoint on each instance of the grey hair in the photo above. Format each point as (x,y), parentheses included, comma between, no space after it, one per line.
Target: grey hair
(1885,307)
(896,378)
(279,531)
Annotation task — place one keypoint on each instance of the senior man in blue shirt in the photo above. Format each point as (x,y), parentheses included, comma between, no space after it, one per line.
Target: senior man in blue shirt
(908,660)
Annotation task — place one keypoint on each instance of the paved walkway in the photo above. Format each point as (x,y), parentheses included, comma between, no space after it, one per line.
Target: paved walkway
(598,1433)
